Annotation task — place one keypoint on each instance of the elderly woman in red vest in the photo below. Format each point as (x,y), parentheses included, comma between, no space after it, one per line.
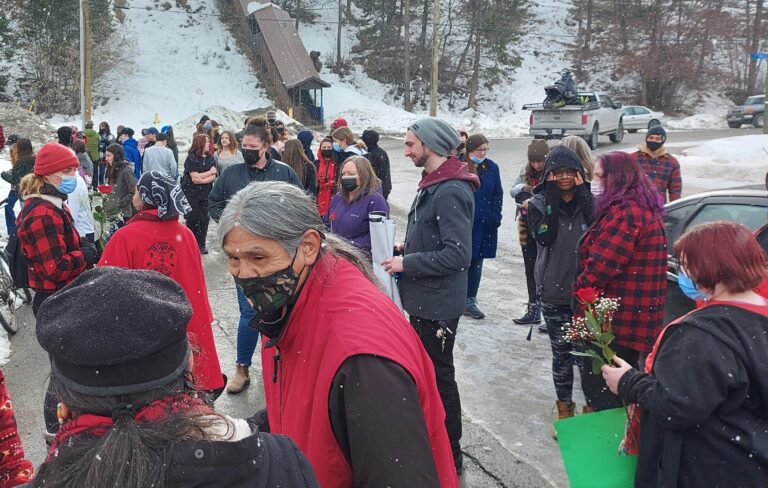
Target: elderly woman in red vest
(155,239)
(345,375)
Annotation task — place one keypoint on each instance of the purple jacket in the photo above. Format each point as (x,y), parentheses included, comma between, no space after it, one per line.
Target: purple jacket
(350,220)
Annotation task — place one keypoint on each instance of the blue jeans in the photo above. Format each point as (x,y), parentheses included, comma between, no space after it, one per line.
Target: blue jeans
(99,172)
(474,273)
(247,337)
(10,214)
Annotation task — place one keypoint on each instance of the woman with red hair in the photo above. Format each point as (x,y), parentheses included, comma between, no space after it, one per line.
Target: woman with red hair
(703,396)
(623,255)
(199,174)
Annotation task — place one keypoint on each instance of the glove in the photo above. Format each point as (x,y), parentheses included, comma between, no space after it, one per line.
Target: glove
(90,252)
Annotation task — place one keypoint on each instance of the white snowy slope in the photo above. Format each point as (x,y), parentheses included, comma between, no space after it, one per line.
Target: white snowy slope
(180,65)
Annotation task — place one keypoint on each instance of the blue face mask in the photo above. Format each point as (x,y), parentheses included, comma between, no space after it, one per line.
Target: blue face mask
(477,160)
(689,288)
(337,147)
(67,185)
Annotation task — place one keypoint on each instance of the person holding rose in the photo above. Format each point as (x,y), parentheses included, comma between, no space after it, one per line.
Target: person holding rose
(558,213)
(703,392)
(359,194)
(623,255)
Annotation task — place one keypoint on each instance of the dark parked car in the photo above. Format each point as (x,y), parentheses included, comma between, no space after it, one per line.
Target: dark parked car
(746,205)
(752,112)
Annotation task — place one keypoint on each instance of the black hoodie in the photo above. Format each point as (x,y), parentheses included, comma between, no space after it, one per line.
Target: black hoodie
(379,160)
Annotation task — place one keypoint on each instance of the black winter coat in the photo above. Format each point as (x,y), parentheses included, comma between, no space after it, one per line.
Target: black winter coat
(380,162)
(258,461)
(704,420)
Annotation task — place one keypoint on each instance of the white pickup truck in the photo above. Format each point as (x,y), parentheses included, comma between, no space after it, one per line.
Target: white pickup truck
(597,115)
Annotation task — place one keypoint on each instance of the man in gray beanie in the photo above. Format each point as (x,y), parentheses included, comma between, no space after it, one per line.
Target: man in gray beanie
(436,255)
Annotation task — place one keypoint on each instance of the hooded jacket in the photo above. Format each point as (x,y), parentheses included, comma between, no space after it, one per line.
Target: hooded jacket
(438,243)
(557,226)
(305,137)
(131,148)
(663,170)
(379,160)
(488,202)
(704,420)
(326,181)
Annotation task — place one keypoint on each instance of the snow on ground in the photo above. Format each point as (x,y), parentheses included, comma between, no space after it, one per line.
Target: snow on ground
(699,121)
(5,165)
(181,65)
(724,163)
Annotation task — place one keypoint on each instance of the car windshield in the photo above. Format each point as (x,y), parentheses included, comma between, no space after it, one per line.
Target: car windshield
(756,100)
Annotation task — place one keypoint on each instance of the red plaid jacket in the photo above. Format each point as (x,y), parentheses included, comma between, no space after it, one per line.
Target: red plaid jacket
(51,245)
(2,138)
(624,255)
(664,172)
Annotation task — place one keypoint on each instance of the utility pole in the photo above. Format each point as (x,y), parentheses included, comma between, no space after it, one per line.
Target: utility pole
(85,64)
(435,57)
(338,41)
(406,7)
(88,73)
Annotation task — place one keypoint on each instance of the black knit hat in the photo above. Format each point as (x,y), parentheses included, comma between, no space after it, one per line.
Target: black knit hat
(562,157)
(134,341)
(657,130)
(371,138)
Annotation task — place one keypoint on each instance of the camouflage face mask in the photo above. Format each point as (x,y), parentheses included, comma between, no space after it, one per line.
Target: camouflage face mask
(269,294)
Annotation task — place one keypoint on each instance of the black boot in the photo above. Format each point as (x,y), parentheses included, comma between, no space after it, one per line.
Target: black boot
(532,315)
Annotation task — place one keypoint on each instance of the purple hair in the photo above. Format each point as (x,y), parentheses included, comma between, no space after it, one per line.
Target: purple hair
(624,180)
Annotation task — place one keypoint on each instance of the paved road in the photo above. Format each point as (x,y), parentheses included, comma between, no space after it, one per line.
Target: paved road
(504,380)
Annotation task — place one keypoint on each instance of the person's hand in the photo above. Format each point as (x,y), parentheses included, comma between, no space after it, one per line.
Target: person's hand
(527,188)
(524,205)
(551,176)
(90,252)
(393,265)
(579,179)
(214,171)
(612,374)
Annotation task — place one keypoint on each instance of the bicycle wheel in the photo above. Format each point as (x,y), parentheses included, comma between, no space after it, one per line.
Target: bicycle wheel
(24,293)
(8,299)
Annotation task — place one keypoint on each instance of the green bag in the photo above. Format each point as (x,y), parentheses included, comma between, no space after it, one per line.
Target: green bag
(589,445)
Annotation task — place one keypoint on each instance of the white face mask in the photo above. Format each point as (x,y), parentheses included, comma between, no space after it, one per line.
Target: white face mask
(597,188)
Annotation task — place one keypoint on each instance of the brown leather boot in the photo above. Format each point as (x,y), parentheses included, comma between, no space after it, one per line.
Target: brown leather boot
(240,380)
(587,409)
(564,410)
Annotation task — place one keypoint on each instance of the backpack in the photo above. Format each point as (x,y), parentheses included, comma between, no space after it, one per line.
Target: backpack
(17,261)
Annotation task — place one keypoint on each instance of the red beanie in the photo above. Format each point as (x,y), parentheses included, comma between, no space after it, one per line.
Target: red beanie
(54,157)
(338,123)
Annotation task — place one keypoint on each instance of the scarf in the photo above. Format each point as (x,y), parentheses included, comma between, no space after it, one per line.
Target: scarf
(98,425)
(163,193)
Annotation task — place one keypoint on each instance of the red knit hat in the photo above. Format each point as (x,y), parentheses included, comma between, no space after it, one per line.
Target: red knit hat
(54,157)
(338,123)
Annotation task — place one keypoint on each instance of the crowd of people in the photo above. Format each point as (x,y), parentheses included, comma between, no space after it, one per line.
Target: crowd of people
(358,394)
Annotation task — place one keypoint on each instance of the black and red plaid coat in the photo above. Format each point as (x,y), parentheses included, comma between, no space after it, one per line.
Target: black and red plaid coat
(2,138)
(664,172)
(624,255)
(51,245)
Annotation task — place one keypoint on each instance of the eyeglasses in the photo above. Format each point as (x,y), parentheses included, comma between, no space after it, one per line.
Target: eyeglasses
(480,150)
(565,173)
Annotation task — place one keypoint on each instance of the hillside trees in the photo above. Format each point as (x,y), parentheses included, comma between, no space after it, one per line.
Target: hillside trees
(47,48)
(661,51)
(476,46)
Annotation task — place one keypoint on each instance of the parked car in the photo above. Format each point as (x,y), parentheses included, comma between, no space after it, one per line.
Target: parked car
(595,115)
(752,112)
(746,205)
(636,117)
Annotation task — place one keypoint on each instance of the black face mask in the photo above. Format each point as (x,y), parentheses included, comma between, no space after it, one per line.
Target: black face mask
(654,146)
(349,183)
(251,156)
(326,153)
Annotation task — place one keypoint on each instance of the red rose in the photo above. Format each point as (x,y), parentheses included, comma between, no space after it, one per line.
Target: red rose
(587,295)
(333,215)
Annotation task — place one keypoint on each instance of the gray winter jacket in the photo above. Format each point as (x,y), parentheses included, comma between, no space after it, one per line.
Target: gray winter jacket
(557,248)
(438,251)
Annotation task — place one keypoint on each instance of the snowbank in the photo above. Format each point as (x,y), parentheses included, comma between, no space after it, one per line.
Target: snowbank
(19,121)
(724,163)
(698,121)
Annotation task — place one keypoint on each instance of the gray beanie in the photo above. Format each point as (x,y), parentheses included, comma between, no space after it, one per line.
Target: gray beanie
(436,134)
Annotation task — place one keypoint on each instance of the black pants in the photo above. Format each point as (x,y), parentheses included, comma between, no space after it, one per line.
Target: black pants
(197,221)
(529,260)
(596,392)
(441,354)
(49,403)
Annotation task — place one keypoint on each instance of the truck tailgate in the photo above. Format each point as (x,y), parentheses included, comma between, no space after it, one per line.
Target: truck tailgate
(558,119)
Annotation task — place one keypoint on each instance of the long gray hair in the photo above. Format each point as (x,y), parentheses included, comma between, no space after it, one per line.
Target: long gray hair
(284,213)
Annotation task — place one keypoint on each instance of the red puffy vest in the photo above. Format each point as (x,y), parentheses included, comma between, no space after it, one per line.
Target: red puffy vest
(340,314)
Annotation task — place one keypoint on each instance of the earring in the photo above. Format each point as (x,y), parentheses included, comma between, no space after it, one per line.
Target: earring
(60,415)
